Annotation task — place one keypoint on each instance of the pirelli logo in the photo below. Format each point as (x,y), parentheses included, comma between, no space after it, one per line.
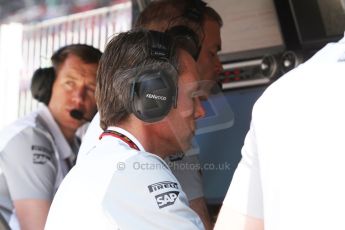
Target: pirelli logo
(162,185)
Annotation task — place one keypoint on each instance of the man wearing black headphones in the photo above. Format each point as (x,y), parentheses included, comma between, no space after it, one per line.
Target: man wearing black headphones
(148,101)
(37,151)
(206,22)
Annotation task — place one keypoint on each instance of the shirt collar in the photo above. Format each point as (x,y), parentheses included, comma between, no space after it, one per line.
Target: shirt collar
(129,135)
(135,140)
(64,149)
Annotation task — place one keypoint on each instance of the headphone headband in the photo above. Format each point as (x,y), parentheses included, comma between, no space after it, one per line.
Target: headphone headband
(185,38)
(154,89)
(195,10)
(159,45)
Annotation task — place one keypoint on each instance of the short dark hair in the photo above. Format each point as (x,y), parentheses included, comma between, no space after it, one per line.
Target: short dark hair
(86,53)
(125,56)
(43,78)
(161,14)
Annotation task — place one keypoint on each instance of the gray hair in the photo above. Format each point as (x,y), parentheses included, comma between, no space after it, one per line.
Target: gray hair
(125,56)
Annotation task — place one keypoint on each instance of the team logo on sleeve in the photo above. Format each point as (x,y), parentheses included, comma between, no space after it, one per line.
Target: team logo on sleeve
(161,185)
(41,154)
(40,158)
(167,198)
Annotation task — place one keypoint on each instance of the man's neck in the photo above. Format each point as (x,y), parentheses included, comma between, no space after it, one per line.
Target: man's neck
(68,134)
(141,131)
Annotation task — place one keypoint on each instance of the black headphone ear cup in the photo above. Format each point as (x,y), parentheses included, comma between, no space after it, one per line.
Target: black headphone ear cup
(154,93)
(42,83)
(186,39)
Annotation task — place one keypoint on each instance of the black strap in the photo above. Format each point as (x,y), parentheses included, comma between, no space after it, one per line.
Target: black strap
(120,136)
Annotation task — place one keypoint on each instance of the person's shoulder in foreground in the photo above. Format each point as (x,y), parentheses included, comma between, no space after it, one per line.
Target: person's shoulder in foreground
(292,159)
(147,97)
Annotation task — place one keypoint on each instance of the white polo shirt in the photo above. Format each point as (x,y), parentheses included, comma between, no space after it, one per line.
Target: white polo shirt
(117,187)
(33,154)
(183,168)
(292,171)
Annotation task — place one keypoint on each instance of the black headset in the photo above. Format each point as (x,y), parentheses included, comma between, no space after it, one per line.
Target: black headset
(42,83)
(43,79)
(154,91)
(195,10)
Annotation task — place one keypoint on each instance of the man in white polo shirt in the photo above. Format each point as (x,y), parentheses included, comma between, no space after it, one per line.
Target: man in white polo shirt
(160,15)
(148,99)
(292,169)
(38,150)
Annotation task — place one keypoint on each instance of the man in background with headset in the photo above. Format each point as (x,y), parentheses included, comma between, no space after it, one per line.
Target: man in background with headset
(160,15)
(148,99)
(37,151)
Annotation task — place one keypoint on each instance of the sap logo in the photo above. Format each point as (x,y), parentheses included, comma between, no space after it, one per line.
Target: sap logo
(157,97)
(162,185)
(166,199)
(40,158)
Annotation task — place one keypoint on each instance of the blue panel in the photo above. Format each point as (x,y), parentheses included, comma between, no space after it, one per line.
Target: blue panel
(220,150)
